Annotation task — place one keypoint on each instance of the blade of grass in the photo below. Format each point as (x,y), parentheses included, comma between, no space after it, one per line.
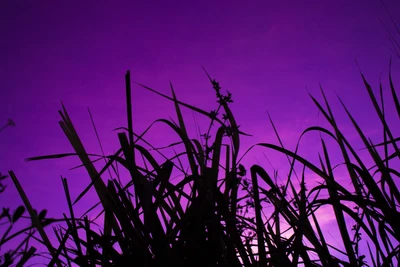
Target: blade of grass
(34,217)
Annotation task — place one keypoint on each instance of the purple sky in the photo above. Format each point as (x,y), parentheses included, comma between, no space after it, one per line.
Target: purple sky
(265,52)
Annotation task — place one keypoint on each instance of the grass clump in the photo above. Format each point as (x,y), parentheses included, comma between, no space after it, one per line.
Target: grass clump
(202,220)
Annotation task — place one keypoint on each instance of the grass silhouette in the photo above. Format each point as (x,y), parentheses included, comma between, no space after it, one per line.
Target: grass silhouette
(199,220)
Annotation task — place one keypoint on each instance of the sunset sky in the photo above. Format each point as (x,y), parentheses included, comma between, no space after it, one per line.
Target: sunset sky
(268,54)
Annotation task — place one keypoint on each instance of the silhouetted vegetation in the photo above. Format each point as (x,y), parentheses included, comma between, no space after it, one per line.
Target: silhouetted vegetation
(204,220)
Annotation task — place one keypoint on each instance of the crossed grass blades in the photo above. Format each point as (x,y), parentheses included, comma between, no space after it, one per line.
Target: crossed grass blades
(199,221)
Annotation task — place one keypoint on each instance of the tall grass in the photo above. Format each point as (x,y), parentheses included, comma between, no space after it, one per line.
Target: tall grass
(199,220)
